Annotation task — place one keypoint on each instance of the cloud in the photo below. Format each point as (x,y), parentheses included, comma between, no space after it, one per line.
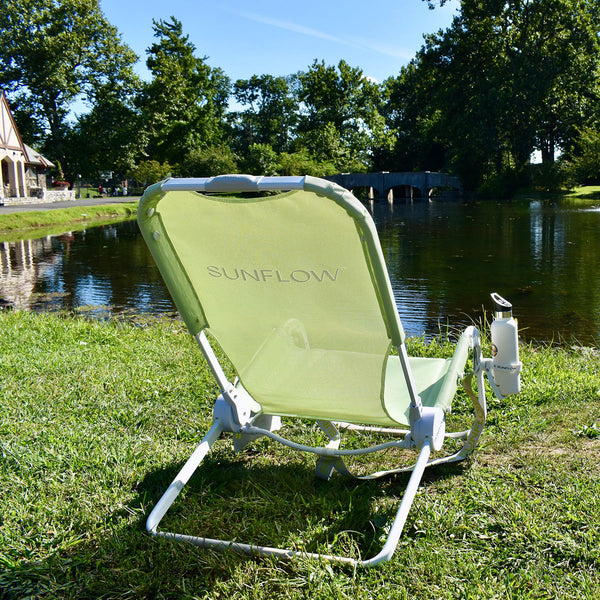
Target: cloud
(295,28)
(353,42)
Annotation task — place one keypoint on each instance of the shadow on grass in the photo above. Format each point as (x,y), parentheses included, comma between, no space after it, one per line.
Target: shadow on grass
(247,498)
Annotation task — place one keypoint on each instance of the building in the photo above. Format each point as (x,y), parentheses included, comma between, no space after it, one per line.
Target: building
(23,171)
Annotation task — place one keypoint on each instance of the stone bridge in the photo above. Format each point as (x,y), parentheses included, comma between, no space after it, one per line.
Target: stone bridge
(383,184)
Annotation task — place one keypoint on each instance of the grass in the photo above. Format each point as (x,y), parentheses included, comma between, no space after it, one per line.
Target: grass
(580,197)
(13,225)
(585,192)
(97,417)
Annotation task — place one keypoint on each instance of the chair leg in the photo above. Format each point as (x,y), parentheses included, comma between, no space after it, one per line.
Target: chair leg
(407,500)
(198,456)
(182,478)
(326,464)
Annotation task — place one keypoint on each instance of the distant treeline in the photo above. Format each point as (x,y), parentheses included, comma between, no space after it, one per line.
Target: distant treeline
(508,78)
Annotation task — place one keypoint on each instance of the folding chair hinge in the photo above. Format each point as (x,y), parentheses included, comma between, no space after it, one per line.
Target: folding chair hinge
(267,422)
(232,410)
(224,413)
(242,407)
(415,413)
(432,425)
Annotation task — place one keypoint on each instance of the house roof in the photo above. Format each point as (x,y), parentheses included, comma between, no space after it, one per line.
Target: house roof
(10,138)
(36,159)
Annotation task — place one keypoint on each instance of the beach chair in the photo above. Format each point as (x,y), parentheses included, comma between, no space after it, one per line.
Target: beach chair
(287,276)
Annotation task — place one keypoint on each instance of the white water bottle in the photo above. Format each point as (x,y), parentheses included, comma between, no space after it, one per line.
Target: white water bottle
(506,367)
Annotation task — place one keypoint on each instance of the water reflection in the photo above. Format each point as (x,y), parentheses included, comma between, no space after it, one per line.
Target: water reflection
(443,257)
(102,270)
(18,272)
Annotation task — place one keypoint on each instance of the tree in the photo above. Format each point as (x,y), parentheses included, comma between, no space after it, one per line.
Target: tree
(300,163)
(51,54)
(461,80)
(150,171)
(208,162)
(109,137)
(563,48)
(509,77)
(339,119)
(261,160)
(585,165)
(271,113)
(183,107)
(418,144)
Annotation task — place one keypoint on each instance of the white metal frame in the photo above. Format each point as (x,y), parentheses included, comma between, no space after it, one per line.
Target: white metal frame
(233,412)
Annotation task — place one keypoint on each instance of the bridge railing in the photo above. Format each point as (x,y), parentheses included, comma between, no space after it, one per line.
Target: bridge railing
(384,182)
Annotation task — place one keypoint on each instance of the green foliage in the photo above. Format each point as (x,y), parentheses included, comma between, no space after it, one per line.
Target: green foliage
(504,80)
(301,163)
(184,104)
(341,121)
(552,177)
(208,162)
(271,113)
(52,52)
(327,146)
(418,143)
(505,184)
(585,165)
(471,85)
(150,171)
(107,138)
(261,160)
(60,175)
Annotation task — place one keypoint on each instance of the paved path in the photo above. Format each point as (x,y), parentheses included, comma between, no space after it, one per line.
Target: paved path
(5,210)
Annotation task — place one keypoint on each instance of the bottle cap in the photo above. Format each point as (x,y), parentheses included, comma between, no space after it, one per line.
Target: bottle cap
(502,307)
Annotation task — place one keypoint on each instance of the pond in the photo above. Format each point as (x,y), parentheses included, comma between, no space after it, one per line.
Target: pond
(444,259)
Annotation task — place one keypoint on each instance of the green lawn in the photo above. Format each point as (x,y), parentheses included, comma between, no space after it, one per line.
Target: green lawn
(586,191)
(97,417)
(44,222)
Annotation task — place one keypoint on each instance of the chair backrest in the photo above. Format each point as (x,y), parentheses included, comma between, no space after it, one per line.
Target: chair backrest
(292,286)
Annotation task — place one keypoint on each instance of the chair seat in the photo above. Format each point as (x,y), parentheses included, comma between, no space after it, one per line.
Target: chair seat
(330,384)
(430,375)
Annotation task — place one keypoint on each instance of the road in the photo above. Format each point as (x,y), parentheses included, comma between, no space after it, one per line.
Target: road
(5,210)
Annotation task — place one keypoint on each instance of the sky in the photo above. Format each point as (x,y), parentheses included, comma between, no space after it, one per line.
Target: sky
(281,37)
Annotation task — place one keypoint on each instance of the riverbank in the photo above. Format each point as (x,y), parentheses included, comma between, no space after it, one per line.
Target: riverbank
(589,192)
(15,223)
(79,203)
(25,217)
(97,417)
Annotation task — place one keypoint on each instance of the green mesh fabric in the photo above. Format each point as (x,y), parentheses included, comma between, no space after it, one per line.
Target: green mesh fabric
(287,293)
(286,287)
